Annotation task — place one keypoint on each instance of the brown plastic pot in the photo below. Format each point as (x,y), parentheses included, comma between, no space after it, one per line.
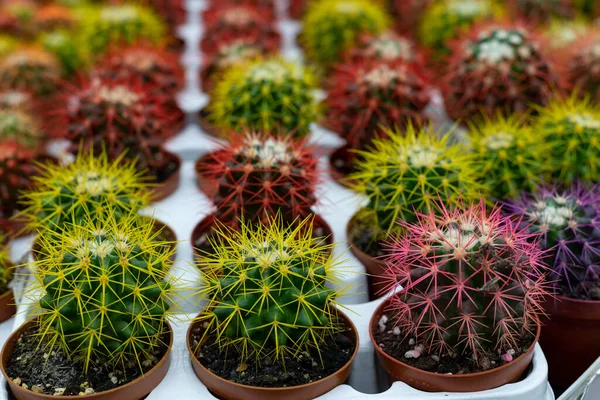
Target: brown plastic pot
(8,307)
(164,189)
(228,390)
(321,229)
(375,267)
(207,126)
(434,382)
(340,166)
(134,390)
(207,186)
(570,338)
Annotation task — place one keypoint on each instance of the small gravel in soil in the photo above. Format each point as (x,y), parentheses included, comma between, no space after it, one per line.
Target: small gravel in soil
(267,372)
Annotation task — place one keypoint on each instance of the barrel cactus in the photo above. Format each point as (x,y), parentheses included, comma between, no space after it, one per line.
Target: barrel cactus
(17,167)
(582,60)
(472,285)
(53,16)
(512,156)
(445,20)
(260,177)
(571,127)
(20,127)
(6,268)
(265,95)
(498,68)
(367,97)
(542,11)
(89,187)
(568,221)
(105,291)
(7,44)
(331,27)
(386,47)
(268,291)
(31,69)
(405,174)
(68,51)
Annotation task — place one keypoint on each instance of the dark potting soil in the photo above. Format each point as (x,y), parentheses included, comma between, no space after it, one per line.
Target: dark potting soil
(268,372)
(165,172)
(343,163)
(395,346)
(589,290)
(365,234)
(35,367)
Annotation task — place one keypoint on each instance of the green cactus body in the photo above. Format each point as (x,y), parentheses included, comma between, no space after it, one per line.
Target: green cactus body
(407,174)
(65,195)
(445,19)
(572,128)
(65,47)
(512,157)
(265,95)
(333,26)
(106,296)
(268,290)
(113,25)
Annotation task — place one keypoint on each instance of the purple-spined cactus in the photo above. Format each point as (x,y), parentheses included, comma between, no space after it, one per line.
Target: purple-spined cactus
(568,221)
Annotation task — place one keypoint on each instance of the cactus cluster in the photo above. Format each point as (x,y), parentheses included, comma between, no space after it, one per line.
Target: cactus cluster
(116,24)
(331,27)
(472,284)
(568,222)
(265,95)
(268,291)
(19,126)
(385,47)
(367,97)
(17,167)
(31,69)
(571,127)
(406,173)
(105,291)
(498,68)
(583,64)
(445,20)
(91,186)
(260,177)
(511,155)
(229,22)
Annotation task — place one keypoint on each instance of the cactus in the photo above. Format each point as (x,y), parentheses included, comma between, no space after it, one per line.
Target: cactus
(562,34)
(53,16)
(498,68)
(7,45)
(230,22)
(105,292)
(17,167)
(331,27)
(542,11)
(386,47)
(367,97)
(408,13)
(227,55)
(153,67)
(6,269)
(30,69)
(20,127)
(16,100)
(582,61)
(265,95)
(472,284)
(268,291)
(572,128)
(89,187)
(264,7)
(16,18)
(65,47)
(260,177)
(405,174)
(115,25)
(568,222)
(511,155)
(445,20)
(114,116)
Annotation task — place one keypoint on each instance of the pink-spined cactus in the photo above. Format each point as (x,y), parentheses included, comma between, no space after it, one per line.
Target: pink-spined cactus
(472,283)
(568,221)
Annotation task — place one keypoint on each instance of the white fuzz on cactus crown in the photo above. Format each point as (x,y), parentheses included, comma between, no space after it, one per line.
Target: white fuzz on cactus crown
(556,212)
(420,156)
(584,121)
(499,140)
(118,14)
(268,151)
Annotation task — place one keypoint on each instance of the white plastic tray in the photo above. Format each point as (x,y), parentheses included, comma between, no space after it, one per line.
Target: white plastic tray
(187,206)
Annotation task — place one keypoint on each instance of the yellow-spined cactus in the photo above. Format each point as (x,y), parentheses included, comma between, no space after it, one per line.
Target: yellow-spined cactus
(333,26)
(6,269)
(511,156)
(265,95)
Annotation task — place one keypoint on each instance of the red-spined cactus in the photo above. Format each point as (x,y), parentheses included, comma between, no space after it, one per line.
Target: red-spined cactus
(265,7)
(367,96)
(31,69)
(472,284)
(117,118)
(407,13)
(259,176)
(388,47)
(227,55)
(149,66)
(17,166)
(582,60)
(297,8)
(499,67)
(228,23)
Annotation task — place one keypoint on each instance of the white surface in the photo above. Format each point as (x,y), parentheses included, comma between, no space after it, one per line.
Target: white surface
(187,206)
